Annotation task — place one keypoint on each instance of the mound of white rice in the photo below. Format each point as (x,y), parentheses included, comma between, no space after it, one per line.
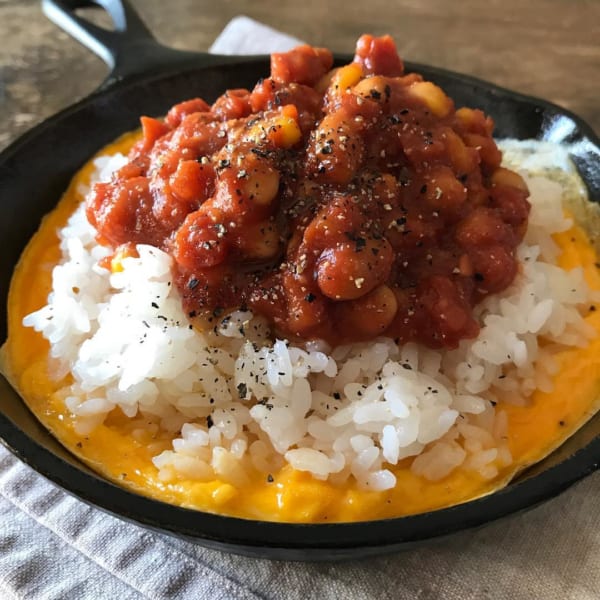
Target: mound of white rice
(233,398)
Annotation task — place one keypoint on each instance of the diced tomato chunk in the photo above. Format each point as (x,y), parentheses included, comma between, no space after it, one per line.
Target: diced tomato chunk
(183,109)
(152,130)
(378,56)
(303,64)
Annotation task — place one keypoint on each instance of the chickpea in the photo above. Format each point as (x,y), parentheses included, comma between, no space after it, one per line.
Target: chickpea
(474,120)
(352,269)
(481,228)
(495,267)
(490,156)
(337,152)
(376,88)
(331,221)
(261,184)
(306,307)
(443,190)
(386,193)
(432,96)
(259,241)
(463,159)
(370,315)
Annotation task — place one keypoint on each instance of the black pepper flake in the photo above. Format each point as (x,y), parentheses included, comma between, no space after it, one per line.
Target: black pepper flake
(337,395)
(209,421)
(404,111)
(376,95)
(259,152)
(360,243)
(218,311)
(242,390)
(327,149)
(224,164)
(423,189)
(310,297)
(561,423)
(154,305)
(394,119)
(270,478)
(192,283)
(592,308)
(406,366)
(478,277)
(388,91)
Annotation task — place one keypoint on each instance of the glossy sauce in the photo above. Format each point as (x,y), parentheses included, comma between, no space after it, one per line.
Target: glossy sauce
(322,195)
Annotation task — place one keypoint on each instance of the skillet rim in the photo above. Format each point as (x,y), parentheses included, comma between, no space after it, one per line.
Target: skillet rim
(290,540)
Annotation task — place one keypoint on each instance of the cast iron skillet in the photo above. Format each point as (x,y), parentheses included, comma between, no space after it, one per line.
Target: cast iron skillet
(147,78)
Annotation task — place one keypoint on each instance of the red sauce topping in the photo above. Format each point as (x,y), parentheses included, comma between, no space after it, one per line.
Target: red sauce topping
(341,204)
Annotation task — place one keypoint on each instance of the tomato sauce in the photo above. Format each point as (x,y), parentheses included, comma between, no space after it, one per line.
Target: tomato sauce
(341,204)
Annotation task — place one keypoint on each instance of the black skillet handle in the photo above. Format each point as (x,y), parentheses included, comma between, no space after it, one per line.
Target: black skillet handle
(130,49)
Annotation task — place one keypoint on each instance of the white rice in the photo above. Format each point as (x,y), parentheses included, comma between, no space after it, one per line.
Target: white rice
(348,412)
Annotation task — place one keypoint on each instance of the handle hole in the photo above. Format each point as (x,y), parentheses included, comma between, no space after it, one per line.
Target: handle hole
(97,16)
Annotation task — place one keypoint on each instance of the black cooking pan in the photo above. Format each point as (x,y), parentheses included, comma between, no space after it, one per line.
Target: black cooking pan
(147,78)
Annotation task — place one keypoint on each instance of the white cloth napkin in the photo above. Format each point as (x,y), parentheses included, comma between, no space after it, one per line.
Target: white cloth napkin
(52,546)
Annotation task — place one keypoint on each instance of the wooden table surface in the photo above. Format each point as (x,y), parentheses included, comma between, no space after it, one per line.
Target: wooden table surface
(546,48)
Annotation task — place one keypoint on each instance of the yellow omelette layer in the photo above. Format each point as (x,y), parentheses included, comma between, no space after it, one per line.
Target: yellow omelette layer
(534,431)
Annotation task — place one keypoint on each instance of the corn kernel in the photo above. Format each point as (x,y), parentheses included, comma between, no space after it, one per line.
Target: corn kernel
(123,252)
(284,131)
(346,77)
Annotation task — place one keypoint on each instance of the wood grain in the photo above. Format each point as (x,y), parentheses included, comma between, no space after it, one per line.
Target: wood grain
(545,48)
